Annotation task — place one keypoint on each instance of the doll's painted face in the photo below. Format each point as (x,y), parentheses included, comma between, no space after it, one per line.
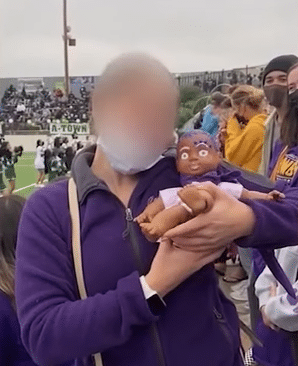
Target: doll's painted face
(196,156)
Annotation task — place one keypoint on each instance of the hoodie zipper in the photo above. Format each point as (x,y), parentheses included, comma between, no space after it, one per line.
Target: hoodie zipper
(137,254)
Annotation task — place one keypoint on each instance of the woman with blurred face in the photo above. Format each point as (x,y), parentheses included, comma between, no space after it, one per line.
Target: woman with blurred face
(148,304)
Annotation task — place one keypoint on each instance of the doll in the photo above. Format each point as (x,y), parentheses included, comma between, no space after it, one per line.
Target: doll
(198,159)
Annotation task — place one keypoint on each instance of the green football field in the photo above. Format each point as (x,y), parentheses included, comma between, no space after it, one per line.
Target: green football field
(26,174)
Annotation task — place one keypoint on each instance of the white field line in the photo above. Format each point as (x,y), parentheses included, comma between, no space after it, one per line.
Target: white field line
(30,185)
(20,189)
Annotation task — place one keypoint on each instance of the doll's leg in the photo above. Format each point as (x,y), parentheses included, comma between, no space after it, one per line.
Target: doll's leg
(164,221)
(150,211)
(198,200)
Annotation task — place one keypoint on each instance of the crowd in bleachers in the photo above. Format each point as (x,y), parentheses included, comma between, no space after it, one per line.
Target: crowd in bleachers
(21,110)
(209,82)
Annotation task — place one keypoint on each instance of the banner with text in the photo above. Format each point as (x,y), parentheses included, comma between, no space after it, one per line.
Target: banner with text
(69,128)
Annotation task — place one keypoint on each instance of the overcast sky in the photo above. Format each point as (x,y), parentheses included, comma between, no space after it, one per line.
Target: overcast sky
(187,35)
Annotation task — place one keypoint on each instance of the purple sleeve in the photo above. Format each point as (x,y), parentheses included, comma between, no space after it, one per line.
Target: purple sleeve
(5,335)
(276,222)
(55,326)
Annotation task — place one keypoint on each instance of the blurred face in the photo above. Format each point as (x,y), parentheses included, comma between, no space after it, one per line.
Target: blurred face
(293,80)
(147,112)
(195,157)
(136,125)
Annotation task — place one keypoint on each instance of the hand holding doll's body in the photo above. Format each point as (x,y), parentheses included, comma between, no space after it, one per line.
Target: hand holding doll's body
(198,159)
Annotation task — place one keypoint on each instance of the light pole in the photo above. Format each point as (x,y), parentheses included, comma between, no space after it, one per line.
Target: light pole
(67,41)
(65,38)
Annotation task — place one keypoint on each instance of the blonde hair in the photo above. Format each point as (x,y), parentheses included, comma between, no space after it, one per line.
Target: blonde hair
(248,95)
(7,277)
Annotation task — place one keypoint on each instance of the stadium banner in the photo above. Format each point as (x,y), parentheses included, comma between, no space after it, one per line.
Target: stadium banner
(69,129)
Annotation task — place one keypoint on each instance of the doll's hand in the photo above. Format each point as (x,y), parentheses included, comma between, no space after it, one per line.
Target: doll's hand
(275,195)
(198,200)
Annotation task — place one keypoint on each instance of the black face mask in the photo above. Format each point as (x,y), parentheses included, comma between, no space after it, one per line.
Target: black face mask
(293,99)
(276,94)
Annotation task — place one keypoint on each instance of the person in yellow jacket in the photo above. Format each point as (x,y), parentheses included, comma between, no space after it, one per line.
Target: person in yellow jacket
(245,130)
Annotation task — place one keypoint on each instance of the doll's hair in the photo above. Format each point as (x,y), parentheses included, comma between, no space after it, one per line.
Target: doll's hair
(207,138)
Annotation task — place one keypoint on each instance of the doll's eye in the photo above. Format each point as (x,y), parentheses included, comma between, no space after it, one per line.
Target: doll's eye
(203,153)
(184,156)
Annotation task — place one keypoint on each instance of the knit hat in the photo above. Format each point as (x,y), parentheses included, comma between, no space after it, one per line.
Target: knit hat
(280,63)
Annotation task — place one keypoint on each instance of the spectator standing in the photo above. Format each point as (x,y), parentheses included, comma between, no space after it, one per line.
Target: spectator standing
(12,351)
(210,123)
(278,326)
(275,89)
(2,184)
(245,134)
(255,82)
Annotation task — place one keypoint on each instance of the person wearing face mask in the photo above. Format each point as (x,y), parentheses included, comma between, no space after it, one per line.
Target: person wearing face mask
(243,148)
(277,327)
(243,144)
(136,312)
(275,89)
(145,304)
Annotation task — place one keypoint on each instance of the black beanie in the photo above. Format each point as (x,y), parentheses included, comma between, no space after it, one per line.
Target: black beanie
(280,63)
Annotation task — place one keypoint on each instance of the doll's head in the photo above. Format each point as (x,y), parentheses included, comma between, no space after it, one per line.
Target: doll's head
(197,153)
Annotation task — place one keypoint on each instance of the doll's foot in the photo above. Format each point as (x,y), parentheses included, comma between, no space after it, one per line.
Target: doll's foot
(151,232)
(142,218)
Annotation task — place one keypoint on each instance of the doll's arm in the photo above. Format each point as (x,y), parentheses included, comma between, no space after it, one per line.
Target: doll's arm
(254,195)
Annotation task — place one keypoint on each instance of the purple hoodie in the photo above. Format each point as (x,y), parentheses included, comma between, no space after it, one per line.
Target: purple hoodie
(199,326)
